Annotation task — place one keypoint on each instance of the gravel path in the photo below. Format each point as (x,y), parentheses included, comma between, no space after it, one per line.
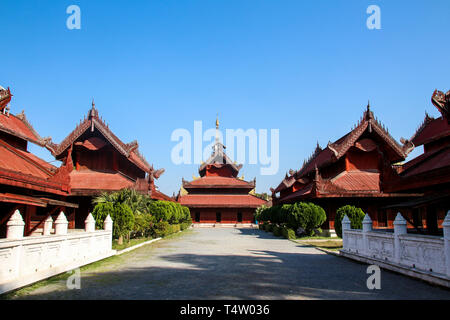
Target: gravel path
(231,263)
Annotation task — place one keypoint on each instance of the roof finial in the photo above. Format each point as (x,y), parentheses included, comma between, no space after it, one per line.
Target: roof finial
(217,121)
(368,105)
(93,103)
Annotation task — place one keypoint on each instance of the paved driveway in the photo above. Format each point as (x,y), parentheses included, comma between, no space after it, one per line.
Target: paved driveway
(233,264)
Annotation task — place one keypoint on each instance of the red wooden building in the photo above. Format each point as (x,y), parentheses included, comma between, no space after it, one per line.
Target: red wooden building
(429,173)
(96,161)
(27,183)
(218,197)
(349,171)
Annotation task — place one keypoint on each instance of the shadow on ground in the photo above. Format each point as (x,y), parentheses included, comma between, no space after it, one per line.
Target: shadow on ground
(262,274)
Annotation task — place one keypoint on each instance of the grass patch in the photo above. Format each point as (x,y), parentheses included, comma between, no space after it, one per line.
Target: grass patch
(329,245)
(318,238)
(127,244)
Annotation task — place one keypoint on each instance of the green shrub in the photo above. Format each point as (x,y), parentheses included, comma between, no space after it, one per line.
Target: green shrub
(101,211)
(143,224)
(356,216)
(270,227)
(185,225)
(277,231)
(308,216)
(175,228)
(288,233)
(123,220)
(161,229)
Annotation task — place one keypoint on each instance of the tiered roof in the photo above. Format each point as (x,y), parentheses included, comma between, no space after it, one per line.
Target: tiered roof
(18,167)
(360,182)
(219,173)
(93,120)
(433,166)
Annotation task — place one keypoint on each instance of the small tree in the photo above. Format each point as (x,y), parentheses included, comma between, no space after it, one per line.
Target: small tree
(123,221)
(101,211)
(356,216)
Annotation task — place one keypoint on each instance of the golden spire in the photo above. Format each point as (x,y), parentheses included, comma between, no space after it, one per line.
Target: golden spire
(217,122)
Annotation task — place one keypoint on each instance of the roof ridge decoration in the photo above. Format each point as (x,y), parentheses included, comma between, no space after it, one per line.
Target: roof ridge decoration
(5,98)
(219,153)
(310,159)
(93,120)
(420,128)
(367,122)
(442,102)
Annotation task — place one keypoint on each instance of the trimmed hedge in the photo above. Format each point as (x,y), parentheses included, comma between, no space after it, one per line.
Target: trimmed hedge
(277,231)
(308,216)
(137,215)
(288,233)
(356,216)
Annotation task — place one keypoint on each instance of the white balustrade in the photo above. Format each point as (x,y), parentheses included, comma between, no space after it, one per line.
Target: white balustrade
(24,260)
(430,254)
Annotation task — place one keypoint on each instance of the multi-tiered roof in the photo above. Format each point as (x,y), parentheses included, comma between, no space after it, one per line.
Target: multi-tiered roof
(218,185)
(321,176)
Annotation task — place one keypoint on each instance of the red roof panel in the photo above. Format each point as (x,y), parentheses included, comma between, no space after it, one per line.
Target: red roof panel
(15,126)
(94,180)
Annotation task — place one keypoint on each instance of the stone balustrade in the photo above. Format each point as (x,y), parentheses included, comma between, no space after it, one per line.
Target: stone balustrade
(24,260)
(422,256)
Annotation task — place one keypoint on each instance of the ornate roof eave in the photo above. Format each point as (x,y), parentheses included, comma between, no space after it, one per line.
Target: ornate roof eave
(93,121)
(442,102)
(227,160)
(5,99)
(367,122)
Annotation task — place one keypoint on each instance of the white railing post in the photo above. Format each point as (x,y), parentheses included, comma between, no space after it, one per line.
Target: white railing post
(367,227)
(399,229)
(61,224)
(108,226)
(108,223)
(89,223)
(446,227)
(48,226)
(15,227)
(346,225)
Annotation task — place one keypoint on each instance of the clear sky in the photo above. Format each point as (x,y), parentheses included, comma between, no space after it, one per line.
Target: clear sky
(306,68)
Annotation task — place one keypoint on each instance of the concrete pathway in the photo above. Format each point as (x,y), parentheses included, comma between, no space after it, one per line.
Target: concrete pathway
(233,264)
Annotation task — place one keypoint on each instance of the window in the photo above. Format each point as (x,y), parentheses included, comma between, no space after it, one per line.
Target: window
(239,216)
(197,217)
(218,217)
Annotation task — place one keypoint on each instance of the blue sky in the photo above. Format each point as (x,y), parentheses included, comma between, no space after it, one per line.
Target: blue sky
(306,68)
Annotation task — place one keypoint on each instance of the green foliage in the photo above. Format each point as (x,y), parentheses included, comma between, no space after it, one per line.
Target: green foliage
(288,233)
(101,211)
(258,212)
(123,220)
(355,214)
(277,231)
(270,227)
(143,224)
(308,216)
(145,211)
(161,229)
(185,225)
